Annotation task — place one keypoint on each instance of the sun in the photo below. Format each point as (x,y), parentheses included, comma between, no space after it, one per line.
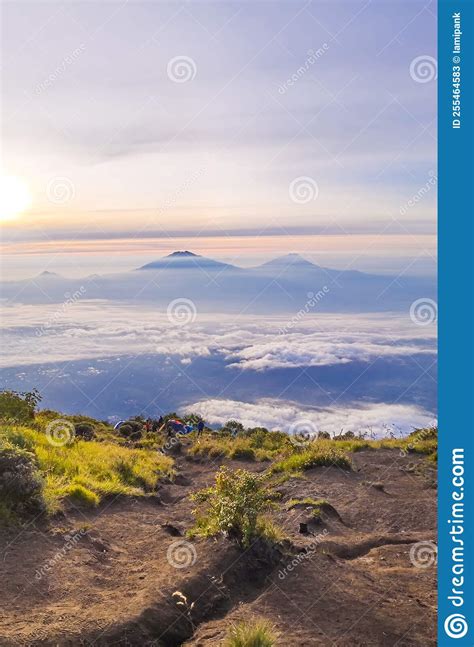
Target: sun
(15,197)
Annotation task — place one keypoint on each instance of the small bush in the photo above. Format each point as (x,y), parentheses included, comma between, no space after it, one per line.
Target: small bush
(232,428)
(21,486)
(232,506)
(257,633)
(18,406)
(240,453)
(84,430)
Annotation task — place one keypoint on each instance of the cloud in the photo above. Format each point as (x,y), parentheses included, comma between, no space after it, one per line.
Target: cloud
(320,349)
(378,418)
(89,329)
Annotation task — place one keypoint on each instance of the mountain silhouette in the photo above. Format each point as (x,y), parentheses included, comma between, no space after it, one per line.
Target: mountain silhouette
(287,284)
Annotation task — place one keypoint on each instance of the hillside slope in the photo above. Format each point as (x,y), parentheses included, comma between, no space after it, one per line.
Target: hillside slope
(117,573)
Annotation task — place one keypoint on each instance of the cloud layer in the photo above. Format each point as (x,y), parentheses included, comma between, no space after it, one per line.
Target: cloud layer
(87,329)
(377,419)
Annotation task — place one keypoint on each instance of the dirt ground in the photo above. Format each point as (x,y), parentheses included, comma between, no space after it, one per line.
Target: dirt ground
(364,574)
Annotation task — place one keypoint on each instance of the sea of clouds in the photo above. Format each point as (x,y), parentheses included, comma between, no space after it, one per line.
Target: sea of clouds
(93,330)
(35,334)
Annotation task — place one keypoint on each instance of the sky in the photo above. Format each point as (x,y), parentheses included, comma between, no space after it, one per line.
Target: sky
(238,130)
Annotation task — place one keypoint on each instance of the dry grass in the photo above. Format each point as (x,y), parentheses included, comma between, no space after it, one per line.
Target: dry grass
(87,471)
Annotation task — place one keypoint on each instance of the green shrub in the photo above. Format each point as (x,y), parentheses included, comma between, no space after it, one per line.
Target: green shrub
(21,486)
(232,506)
(18,406)
(242,453)
(84,430)
(232,428)
(256,633)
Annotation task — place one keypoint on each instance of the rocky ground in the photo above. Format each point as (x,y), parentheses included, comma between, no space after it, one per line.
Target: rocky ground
(364,574)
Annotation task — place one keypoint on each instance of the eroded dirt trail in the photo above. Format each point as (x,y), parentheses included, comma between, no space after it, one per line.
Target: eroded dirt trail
(351,581)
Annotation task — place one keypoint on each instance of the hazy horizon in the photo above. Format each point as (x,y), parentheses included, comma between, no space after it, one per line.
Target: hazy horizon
(134,128)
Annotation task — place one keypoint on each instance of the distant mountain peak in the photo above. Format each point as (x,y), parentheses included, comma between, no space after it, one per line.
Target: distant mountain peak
(182,254)
(184,259)
(47,273)
(291,259)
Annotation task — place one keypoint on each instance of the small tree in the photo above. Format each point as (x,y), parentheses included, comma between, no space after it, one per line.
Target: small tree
(232,506)
(18,406)
(232,427)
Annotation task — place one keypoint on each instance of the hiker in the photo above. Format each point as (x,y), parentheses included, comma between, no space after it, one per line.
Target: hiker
(200,428)
(148,425)
(174,427)
(156,424)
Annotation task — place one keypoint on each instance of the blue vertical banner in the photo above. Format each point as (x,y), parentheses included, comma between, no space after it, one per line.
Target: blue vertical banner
(456,322)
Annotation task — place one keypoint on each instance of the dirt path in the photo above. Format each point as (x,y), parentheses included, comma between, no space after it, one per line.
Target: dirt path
(108,575)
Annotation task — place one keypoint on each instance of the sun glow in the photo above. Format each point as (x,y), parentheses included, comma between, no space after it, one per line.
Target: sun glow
(15,197)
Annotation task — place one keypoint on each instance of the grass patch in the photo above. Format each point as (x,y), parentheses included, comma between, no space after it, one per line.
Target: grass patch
(86,471)
(81,495)
(256,633)
(316,454)
(239,448)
